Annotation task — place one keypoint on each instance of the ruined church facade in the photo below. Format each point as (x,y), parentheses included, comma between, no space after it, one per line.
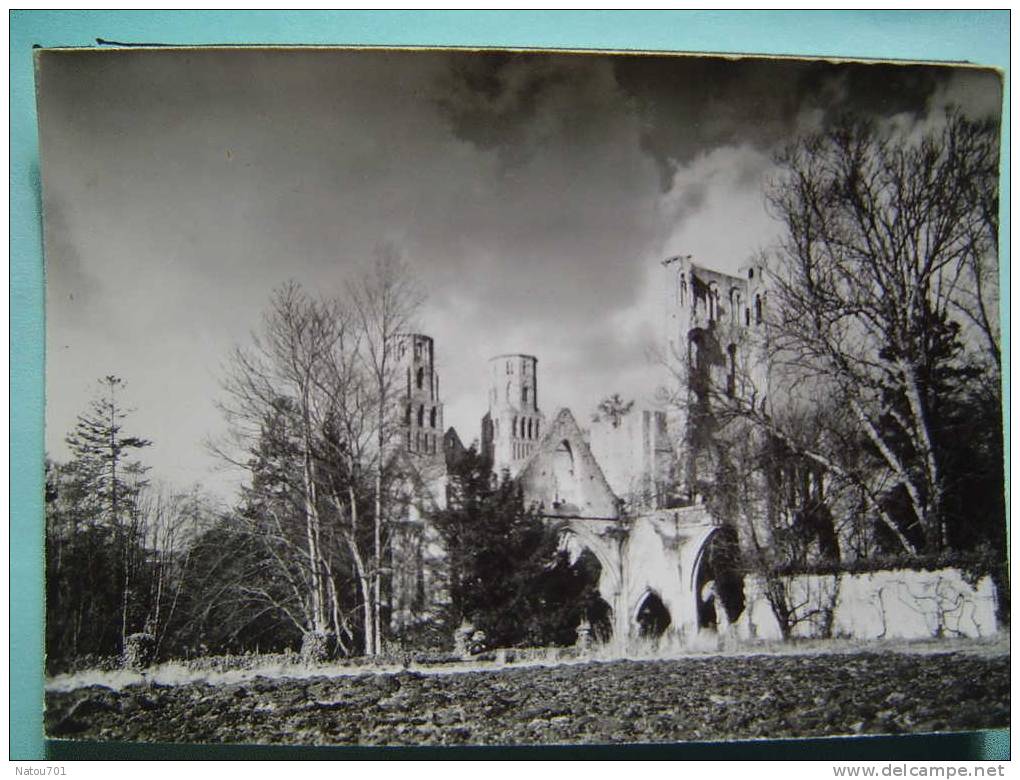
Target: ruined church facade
(626,489)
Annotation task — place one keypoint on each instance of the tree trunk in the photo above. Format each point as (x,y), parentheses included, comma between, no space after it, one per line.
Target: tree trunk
(173,604)
(312,531)
(339,625)
(124,603)
(377,563)
(361,575)
(934,524)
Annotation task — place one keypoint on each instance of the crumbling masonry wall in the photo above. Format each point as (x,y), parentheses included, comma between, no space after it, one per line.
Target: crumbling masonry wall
(901,604)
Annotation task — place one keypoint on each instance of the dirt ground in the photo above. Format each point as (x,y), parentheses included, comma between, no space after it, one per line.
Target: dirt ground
(698,698)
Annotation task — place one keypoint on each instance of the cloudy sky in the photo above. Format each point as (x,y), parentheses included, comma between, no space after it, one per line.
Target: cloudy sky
(533,195)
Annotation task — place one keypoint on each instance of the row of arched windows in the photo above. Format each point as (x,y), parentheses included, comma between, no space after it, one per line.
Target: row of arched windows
(420,442)
(432,415)
(735,302)
(735,299)
(525,428)
(521,449)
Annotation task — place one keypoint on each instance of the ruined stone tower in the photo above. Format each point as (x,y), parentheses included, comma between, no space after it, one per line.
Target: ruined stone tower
(423,411)
(513,425)
(715,326)
(417,585)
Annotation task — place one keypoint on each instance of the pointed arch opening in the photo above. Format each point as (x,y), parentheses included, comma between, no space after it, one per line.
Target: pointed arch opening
(718,583)
(571,591)
(652,618)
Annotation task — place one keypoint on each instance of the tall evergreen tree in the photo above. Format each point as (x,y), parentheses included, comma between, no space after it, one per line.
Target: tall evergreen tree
(507,574)
(102,453)
(95,529)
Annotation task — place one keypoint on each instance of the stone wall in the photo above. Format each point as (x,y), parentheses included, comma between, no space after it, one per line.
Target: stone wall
(902,604)
(636,456)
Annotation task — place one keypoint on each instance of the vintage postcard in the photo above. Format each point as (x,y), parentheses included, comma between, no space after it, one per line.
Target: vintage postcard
(456,397)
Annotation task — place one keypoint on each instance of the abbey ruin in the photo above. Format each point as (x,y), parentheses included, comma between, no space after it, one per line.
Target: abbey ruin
(630,489)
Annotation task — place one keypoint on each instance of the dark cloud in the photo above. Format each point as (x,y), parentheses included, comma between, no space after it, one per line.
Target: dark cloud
(685,106)
(693,104)
(492,99)
(977,92)
(516,103)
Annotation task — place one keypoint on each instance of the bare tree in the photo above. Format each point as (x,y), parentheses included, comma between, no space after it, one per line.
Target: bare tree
(278,393)
(385,302)
(319,388)
(877,328)
(888,240)
(172,521)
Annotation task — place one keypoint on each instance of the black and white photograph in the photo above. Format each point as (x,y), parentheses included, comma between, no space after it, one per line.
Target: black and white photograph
(431,397)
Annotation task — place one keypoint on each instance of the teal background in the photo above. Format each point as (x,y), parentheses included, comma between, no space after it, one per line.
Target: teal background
(975,36)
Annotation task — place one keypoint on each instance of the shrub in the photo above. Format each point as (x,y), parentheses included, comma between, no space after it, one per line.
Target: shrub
(139,651)
(318,647)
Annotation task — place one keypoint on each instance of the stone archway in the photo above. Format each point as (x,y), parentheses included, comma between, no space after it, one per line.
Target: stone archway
(593,608)
(578,536)
(582,539)
(690,563)
(717,583)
